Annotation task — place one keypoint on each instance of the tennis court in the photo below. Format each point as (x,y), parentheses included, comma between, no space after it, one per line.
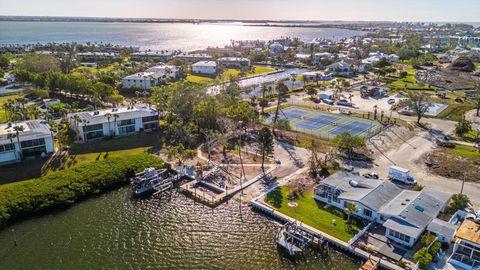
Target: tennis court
(352,127)
(325,124)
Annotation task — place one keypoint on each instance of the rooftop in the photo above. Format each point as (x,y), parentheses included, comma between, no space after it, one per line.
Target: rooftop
(205,63)
(469,231)
(124,113)
(33,129)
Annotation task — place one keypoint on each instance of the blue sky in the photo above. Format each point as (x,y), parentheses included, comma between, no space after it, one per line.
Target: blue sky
(364,10)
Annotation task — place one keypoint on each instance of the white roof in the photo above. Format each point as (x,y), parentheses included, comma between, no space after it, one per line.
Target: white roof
(33,129)
(142,75)
(124,113)
(205,64)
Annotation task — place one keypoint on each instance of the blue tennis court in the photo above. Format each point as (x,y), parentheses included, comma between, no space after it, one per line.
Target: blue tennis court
(317,122)
(292,113)
(352,127)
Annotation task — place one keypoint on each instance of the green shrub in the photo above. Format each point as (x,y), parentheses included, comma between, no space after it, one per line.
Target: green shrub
(423,258)
(67,186)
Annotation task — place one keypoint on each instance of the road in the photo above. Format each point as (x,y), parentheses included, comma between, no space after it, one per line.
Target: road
(408,155)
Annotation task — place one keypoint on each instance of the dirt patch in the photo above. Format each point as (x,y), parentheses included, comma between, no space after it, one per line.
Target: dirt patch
(442,163)
(232,157)
(388,139)
(447,78)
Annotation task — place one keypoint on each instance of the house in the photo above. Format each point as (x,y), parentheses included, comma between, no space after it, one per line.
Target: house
(235,62)
(276,48)
(318,57)
(466,251)
(94,56)
(151,77)
(91,125)
(205,67)
(313,75)
(341,68)
(36,139)
(194,57)
(404,214)
(221,52)
(48,102)
(377,56)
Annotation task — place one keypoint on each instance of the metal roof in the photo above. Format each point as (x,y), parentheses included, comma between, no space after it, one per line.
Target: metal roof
(33,129)
(124,113)
(443,228)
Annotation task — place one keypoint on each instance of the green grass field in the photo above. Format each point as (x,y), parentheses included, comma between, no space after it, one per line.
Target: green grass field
(467,152)
(256,70)
(312,213)
(81,154)
(455,111)
(199,79)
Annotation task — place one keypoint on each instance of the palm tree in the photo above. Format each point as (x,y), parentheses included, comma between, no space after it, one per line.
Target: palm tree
(317,79)
(85,123)
(265,144)
(17,130)
(33,112)
(108,116)
(11,136)
(115,117)
(350,209)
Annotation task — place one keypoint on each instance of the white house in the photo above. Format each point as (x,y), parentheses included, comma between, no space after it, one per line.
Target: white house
(36,139)
(318,57)
(205,67)
(234,62)
(404,214)
(112,122)
(466,252)
(151,77)
(313,75)
(341,68)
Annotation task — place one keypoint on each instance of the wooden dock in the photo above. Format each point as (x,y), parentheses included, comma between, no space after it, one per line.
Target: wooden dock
(370,264)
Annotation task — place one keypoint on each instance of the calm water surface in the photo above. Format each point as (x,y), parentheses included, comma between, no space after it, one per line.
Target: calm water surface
(114,231)
(161,36)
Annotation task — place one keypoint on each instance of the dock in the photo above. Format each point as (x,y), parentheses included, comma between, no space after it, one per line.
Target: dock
(370,264)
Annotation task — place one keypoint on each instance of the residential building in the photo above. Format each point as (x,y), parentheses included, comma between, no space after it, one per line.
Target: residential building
(162,56)
(151,77)
(235,62)
(122,121)
(276,48)
(318,57)
(404,214)
(36,139)
(194,57)
(95,56)
(205,67)
(466,251)
(313,75)
(341,68)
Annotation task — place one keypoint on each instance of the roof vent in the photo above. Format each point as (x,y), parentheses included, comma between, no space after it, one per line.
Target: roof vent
(96,113)
(353,183)
(404,203)
(407,200)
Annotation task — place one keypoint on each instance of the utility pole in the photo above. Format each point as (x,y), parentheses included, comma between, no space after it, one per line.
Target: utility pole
(463,182)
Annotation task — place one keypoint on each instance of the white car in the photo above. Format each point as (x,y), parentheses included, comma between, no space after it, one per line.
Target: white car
(391,101)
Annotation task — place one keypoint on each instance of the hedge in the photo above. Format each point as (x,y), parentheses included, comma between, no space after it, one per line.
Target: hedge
(65,187)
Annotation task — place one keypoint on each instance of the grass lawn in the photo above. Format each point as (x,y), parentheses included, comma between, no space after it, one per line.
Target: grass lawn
(455,111)
(199,79)
(94,71)
(257,70)
(312,213)
(3,100)
(81,154)
(409,82)
(466,152)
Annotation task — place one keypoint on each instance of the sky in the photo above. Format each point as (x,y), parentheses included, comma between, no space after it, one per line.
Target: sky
(347,10)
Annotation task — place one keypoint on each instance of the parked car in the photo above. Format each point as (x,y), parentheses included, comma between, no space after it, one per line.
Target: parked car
(371,175)
(348,168)
(391,101)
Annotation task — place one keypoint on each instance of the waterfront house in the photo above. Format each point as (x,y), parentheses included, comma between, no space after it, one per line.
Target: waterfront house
(276,48)
(404,214)
(313,75)
(151,77)
(205,67)
(91,125)
(318,57)
(466,251)
(235,62)
(36,139)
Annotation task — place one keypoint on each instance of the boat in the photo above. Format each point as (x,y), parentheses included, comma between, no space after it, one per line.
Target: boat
(146,181)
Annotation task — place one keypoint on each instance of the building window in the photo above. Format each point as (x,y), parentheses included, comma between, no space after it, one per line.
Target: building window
(149,118)
(93,127)
(126,130)
(400,236)
(367,212)
(7,147)
(150,126)
(94,135)
(33,143)
(127,122)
